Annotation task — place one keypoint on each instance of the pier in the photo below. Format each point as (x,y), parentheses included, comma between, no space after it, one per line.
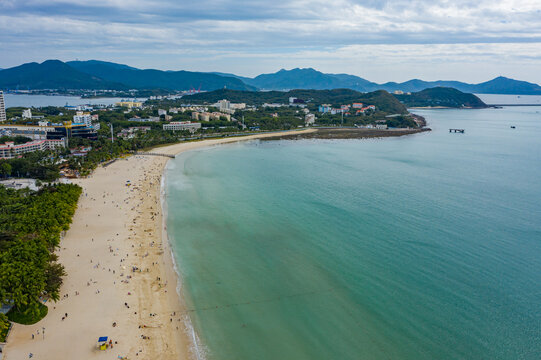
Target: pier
(154,154)
(461,131)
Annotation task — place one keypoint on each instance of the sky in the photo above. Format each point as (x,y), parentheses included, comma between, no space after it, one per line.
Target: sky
(380,40)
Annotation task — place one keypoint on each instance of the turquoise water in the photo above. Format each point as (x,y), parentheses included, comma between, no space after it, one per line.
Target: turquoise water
(419,247)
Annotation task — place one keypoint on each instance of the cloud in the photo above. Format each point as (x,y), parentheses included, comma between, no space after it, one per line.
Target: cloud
(208,32)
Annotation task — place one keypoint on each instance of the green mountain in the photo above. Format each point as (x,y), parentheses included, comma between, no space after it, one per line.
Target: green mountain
(150,79)
(93,74)
(52,74)
(499,85)
(381,98)
(313,79)
(308,79)
(441,96)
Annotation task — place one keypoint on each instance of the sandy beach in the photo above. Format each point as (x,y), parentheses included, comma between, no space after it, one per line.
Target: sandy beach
(120,278)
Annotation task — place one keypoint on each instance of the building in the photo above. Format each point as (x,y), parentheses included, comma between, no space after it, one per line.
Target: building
(9,150)
(182,125)
(31,131)
(27,114)
(201,116)
(162,112)
(2,107)
(69,130)
(130,104)
(224,105)
(131,132)
(239,106)
(325,108)
(82,118)
(357,105)
(219,116)
(309,119)
(273,105)
(150,119)
(381,126)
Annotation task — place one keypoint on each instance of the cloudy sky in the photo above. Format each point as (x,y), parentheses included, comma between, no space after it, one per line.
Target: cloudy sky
(380,40)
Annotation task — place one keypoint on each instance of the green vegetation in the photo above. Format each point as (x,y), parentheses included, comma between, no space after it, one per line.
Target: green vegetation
(30,226)
(99,75)
(26,317)
(16,139)
(4,327)
(441,96)
(38,165)
(381,99)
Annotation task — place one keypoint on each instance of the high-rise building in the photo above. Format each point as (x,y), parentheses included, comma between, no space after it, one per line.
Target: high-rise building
(224,105)
(2,107)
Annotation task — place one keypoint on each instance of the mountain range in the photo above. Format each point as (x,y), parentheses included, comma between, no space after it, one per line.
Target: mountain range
(94,74)
(312,79)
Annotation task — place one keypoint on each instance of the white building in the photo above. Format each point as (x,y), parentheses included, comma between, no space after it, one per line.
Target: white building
(162,112)
(224,105)
(309,119)
(9,150)
(150,119)
(27,114)
(2,108)
(239,106)
(182,125)
(82,118)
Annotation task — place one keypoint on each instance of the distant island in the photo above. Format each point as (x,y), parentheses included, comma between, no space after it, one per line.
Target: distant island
(383,100)
(101,75)
(441,97)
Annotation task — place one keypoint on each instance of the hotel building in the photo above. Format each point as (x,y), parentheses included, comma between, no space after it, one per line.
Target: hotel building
(2,107)
(9,150)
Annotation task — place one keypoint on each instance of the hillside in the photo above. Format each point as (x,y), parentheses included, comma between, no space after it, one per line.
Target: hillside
(52,74)
(499,85)
(94,74)
(382,99)
(441,96)
(307,79)
(55,74)
(313,79)
(150,79)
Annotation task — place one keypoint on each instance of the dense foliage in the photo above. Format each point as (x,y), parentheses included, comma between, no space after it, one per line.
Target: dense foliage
(441,96)
(381,99)
(16,139)
(4,327)
(31,223)
(38,165)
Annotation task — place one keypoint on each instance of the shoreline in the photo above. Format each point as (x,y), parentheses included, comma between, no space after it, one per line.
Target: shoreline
(117,228)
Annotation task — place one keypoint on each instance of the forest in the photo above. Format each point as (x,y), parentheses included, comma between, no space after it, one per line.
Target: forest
(31,224)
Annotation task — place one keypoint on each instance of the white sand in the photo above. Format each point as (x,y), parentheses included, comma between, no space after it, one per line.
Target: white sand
(115,228)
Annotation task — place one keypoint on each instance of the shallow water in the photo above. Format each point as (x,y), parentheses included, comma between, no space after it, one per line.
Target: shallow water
(420,247)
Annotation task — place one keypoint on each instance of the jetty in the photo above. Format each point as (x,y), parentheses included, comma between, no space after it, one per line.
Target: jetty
(154,154)
(461,131)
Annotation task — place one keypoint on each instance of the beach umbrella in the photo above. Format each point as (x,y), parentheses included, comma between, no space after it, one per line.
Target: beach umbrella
(102,342)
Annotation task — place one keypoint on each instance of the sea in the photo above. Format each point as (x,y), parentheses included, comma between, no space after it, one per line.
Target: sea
(418,247)
(23,100)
